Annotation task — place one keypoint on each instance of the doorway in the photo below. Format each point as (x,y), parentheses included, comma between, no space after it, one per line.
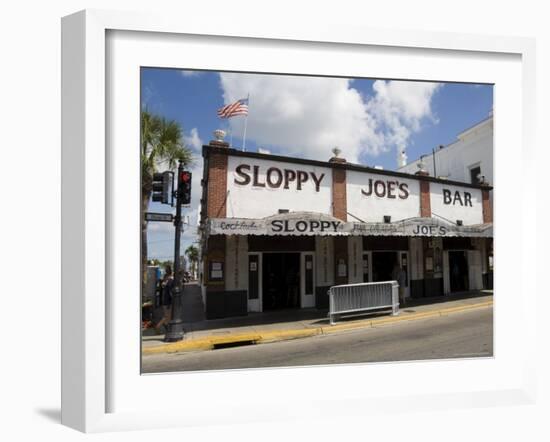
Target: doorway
(383,264)
(281,281)
(458,271)
(383,267)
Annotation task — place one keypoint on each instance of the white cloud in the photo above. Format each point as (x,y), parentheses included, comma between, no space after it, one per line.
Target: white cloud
(399,107)
(193,140)
(190,73)
(308,116)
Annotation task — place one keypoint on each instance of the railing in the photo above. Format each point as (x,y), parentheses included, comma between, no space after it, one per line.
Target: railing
(357,298)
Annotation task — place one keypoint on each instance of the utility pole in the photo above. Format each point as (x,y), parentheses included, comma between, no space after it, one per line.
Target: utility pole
(175,326)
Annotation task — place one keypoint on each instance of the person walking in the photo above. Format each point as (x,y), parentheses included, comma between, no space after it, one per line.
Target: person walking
(455,278)
(292,288)
(400,276)
(166,299)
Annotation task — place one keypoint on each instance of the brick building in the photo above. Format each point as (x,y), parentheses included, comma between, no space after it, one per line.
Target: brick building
(277,232)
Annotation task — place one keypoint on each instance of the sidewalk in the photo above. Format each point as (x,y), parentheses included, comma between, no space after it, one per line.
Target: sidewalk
(272,326)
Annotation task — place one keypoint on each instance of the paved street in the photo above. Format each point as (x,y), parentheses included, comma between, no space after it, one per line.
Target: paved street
(467,334)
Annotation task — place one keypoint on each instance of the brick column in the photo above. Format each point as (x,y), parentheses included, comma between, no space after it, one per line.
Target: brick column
(487,208)
(339,195)
(425,204)
(216,195)
(340,211)
(341,256)
(215,253)
(215,305)
(217,183)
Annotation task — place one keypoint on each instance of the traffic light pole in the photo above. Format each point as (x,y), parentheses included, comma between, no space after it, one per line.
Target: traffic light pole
(175,326)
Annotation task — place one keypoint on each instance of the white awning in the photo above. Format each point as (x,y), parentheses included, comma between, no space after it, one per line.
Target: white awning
(313,224)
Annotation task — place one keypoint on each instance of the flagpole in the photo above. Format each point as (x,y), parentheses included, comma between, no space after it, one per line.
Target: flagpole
(246,121)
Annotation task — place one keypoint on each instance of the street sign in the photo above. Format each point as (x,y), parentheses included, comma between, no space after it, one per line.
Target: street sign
(165,217)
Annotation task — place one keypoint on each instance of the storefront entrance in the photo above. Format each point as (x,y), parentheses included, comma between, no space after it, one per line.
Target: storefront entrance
(281,280)
(383,266)
(458,271)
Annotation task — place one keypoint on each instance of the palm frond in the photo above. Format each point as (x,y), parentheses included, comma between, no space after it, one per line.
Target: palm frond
(162,142)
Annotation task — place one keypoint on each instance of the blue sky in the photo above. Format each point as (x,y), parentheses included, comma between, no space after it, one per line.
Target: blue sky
(369,120)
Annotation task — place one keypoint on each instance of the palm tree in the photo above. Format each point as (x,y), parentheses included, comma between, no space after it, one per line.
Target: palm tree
(161,145)
(193,255)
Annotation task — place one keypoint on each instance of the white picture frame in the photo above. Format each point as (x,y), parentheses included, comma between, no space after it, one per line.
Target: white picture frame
(87,211)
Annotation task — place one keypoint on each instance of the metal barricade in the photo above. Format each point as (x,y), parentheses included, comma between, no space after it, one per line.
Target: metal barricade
(357,298)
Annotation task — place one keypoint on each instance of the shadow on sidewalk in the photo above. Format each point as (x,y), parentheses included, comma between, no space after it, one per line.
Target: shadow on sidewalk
(441,299)
(195,320)
(263,318)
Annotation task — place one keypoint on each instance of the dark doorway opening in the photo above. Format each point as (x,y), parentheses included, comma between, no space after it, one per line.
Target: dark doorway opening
(458,270)
(281,280)
(383,264)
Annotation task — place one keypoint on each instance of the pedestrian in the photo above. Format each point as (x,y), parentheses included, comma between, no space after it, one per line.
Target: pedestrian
(292,288)
(400,276)
(167,285)
(455,284)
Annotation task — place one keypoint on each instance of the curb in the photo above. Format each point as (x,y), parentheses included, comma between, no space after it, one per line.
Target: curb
(209,342)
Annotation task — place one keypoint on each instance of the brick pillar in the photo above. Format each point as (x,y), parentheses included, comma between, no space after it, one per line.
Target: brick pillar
(339,195)
(425,205)
(215,305)
(217,183)
(487,208)
(215,253)
(216,196)
(340,211)
(341,257)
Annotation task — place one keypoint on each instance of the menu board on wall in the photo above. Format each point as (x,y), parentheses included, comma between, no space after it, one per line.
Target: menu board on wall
(215,271)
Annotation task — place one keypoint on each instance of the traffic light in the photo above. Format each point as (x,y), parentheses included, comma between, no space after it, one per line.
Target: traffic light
(162,182)
(184,187)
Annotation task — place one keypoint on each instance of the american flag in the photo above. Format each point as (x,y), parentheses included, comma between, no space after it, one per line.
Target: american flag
(240,107)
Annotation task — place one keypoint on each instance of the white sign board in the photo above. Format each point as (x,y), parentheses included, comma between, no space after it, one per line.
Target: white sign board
(456,203)
(259,188)
(310,224)
(370,197)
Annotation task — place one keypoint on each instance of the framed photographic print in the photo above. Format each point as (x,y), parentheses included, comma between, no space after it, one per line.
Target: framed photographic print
(234,199)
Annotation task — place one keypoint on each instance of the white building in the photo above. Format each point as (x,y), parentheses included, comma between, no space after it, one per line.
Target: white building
(470,156)
(278,232)
(468,159)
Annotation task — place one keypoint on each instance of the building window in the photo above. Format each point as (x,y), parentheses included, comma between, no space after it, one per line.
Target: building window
(474,174)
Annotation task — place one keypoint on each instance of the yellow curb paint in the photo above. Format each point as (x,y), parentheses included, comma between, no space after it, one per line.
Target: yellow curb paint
(178,346)
(228,339)
(289,334)
(200,344)
(343,327)
(466,307)
(209,342)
